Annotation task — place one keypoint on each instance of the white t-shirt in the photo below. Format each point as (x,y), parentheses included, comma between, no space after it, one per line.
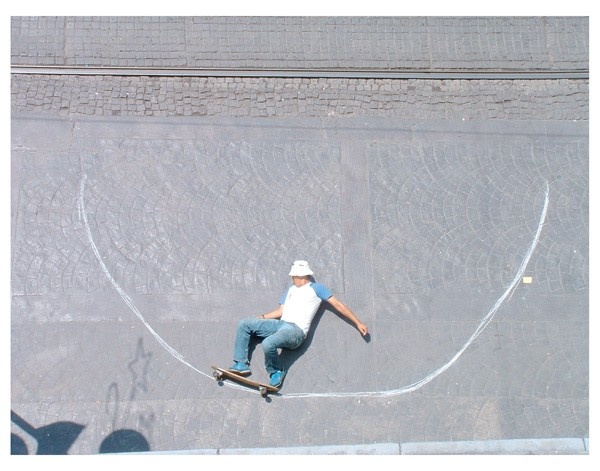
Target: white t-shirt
(300,304)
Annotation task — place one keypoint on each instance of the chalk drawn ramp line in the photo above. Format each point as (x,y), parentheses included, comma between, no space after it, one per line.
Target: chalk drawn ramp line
(388,393)
(128,301)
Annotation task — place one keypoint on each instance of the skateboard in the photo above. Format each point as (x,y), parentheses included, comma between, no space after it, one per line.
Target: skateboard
(264,389)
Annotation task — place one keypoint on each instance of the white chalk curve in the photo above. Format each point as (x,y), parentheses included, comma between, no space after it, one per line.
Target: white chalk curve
(388,393)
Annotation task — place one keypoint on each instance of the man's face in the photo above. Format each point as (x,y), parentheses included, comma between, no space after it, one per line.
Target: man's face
(300,280)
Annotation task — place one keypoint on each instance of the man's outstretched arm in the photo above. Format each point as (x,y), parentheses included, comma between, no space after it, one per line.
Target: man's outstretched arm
(347,313)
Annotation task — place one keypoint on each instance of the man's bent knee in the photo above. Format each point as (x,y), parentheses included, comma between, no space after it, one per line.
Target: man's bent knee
(270,345)
(245,322)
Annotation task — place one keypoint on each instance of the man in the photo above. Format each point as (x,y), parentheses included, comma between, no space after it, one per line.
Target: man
(288,325)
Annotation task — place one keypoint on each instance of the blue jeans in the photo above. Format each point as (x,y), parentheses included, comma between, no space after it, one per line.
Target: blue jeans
(275,334)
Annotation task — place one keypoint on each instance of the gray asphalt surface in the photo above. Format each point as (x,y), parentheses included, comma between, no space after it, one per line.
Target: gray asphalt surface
(150,214)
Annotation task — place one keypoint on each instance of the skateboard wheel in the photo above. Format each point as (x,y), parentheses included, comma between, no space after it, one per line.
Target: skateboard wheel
(263,391)
(217,374)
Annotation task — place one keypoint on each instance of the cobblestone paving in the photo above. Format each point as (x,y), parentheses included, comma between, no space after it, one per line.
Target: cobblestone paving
(363,200)
(242,97)
(552,43)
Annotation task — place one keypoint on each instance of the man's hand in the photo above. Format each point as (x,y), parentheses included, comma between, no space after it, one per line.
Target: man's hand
(362,328)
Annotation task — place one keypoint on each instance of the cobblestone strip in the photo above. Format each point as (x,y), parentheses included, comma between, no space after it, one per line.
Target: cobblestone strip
(553,43)
(243,97)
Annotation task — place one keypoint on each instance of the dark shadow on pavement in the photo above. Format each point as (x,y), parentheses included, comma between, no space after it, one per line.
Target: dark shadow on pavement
(52,439)
(124,441)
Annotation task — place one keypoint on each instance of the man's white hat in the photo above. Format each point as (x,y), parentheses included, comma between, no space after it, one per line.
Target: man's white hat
(301,268)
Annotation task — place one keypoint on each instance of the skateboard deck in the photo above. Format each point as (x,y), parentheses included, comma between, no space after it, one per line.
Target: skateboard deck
(264,389)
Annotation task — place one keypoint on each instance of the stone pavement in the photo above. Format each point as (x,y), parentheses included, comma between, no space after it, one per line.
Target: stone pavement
(375,43)
(138,242)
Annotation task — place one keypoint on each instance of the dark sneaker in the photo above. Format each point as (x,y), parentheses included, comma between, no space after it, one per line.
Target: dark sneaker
(240,369)
(277,379)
